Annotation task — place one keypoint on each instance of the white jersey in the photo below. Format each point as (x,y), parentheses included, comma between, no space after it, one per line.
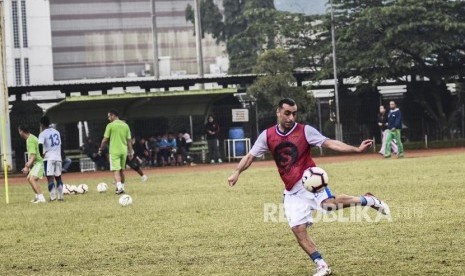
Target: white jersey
(51,140)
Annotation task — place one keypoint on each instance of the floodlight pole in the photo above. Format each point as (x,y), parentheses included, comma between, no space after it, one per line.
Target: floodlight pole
(338,129)
(156,67)
(198,40)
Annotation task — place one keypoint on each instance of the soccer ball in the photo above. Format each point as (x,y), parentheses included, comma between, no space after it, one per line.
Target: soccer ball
(125,200)
(66,189)
(102,187)
(315,179)
(82,189)
(72,189)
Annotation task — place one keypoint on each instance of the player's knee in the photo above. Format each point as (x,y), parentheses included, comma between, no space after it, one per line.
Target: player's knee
(300,231)
(329,204)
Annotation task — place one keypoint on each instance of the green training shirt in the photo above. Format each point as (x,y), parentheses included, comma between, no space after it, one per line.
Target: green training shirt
(118,132)
(32,145)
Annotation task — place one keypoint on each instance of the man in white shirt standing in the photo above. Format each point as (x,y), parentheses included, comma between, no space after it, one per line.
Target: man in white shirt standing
(50,149)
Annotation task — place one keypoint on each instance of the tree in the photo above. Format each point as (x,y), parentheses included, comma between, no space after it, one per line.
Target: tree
(248,29)
(277,82)
(210,17)
(421,39)
(306,39)
(381,40)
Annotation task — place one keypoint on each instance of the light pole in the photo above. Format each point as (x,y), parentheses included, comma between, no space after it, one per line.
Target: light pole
(338,129)
(198,36)
(156,68)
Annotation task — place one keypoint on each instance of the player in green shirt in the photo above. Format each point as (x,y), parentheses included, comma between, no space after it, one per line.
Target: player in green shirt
(118,134)
(34,167)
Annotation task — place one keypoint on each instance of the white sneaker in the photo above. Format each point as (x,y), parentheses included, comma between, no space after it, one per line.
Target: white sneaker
(53,196)
(143,178)
(39,200)
(379,206)
(119,188)
(322,270)
(220,161)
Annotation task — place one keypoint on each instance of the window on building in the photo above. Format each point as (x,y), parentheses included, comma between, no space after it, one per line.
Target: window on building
(18,71)
(24,23)
(14,11)
(26,71)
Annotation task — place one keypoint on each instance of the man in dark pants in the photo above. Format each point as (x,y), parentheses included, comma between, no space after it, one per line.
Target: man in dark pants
(394,127)
(211,130)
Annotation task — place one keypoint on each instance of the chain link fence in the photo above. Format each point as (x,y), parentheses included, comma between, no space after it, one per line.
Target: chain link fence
(358,118)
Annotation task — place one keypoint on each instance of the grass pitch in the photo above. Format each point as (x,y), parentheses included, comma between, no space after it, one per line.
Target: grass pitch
(194,224)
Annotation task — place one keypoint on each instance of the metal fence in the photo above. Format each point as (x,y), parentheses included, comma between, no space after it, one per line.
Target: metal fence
(359,122)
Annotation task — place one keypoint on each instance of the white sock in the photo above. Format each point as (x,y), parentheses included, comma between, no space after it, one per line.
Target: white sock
(53,194)
(40,197)
(370,200)
(321,262)
(60,191)
(119,186)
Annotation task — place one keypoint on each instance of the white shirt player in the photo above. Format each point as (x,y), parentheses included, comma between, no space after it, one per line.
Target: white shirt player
(51,140)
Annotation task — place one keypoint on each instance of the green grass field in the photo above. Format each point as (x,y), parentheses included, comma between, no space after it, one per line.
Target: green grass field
(194,224)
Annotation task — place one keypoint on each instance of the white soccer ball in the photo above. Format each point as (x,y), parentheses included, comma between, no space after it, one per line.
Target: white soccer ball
(315,179)
(66,189)
(82,189)
(73,189)
(125,200)
(102,187)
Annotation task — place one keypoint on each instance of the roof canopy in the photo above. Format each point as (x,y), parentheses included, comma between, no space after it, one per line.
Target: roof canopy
(137,105)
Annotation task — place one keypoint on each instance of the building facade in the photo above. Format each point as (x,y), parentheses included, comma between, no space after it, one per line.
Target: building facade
(28,42)
(113,38)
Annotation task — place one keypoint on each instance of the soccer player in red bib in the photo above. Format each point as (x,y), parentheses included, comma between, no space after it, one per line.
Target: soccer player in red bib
(290,143)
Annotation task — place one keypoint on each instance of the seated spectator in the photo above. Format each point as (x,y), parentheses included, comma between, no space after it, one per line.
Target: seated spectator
(188,139)
(65,161)
(152,145)
(165,148)
(172,147)
(181,153)
(91,150)
(162,150)
(141,151)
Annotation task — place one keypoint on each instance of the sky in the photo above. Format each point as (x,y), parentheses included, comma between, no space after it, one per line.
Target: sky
(301,6)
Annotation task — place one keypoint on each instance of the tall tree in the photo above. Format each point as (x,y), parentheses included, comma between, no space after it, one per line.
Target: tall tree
(406,38)
(276,83)
(211,19)
(247,28)
(380,40)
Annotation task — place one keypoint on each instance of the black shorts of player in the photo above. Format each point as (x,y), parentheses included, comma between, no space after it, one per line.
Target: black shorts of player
(133,164)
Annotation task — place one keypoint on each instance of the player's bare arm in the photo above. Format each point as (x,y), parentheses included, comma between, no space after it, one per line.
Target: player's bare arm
(130,150)
(243,165)
(343,147)
(102,144)
(29,163)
